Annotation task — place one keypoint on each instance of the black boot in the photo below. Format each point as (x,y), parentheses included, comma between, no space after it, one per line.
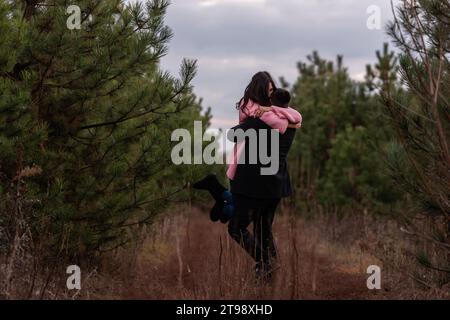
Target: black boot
(264,272)
(216,212)
(212,185)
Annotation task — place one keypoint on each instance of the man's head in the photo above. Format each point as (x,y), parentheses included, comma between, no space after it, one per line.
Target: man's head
(281,98)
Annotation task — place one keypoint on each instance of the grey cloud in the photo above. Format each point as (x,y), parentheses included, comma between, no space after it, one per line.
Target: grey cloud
(232,40)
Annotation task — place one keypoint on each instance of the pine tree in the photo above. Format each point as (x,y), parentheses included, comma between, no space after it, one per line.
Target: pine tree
(85,123)
(419,114)
(334,161)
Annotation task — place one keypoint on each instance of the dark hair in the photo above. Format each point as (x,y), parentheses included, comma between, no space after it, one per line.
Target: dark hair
(257,90)
(281,98)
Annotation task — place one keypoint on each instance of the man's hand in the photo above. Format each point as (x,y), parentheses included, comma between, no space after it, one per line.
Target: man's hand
(262,110)
(295,125)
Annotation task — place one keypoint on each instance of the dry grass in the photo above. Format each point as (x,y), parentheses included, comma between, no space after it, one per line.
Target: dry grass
(185,256)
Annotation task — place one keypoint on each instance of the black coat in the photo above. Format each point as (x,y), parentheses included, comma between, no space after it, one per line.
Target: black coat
(248,180)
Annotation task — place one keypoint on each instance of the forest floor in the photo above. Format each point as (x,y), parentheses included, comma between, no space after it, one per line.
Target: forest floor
(184,256)
(189,257)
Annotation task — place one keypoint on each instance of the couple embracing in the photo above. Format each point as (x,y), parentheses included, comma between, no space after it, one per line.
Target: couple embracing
(253,196)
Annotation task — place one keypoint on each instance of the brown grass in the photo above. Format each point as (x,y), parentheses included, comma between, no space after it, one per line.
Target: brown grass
(185,256)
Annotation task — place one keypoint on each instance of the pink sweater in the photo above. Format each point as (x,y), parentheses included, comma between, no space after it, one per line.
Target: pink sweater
(278,118)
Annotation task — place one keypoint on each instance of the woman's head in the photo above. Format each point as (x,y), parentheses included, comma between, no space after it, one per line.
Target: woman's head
(259,90)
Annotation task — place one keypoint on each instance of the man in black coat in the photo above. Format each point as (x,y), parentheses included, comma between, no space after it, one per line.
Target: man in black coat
(249,179)
(256,195)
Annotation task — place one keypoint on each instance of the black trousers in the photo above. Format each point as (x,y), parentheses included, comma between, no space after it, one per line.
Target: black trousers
(260,245)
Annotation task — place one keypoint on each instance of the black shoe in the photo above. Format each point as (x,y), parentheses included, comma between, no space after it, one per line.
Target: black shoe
(259,273)
(211,184)
(216,212)
(264,272)
(224,218)
(203,184)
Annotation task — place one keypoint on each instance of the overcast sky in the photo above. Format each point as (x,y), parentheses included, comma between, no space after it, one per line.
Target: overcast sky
(233,39)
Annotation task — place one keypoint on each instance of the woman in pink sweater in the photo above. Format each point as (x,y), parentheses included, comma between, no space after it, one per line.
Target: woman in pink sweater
(276,117)
(237,208)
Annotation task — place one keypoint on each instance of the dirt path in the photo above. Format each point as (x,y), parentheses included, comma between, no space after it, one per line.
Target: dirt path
(192,258)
